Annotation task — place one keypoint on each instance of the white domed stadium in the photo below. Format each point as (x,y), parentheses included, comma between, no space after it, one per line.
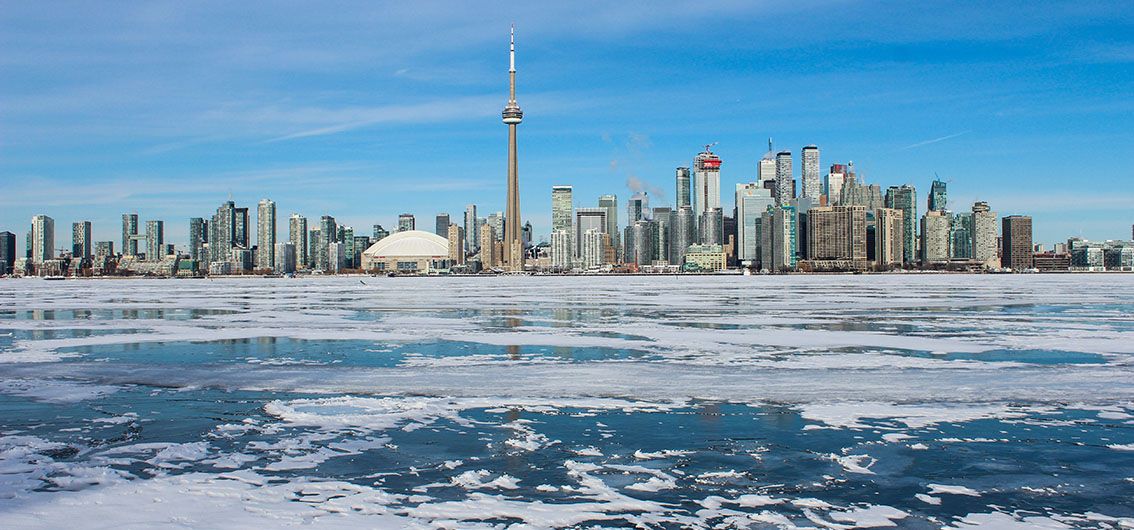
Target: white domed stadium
(408,252)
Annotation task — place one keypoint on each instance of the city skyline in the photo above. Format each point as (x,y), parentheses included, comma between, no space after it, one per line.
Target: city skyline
(336,146)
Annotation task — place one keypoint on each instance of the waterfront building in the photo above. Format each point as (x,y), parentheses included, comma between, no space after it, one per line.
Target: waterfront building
(785,180)
(836,237)
(328,233)
(129,234)
(779,239)
(1016,242)
(935,228)
(640,238)
(7,252)
(266,234)
(889,238)
(561,204)
(904,198)
(637,208)
(155,240)
(809,173)
(705,258)
(662,219)
(472,229)
(706,182)
(752,200)
(42,239)
(103,251)
(512,116)
(361,243)
(562,250)
(984,235)
(406,222)
(346,237)
(1052,261)
(456,237)
(413,251)
(221,233)
(241,235)
(594,248)
(498,225)
(242,259)
(489,257)
(938,198)
(198,237)
(833,187)
(585,219)
(683,232)
(336,257)
(285,258)
(684,187)
(81,240)
(442,225)
(961,236)
(297,235)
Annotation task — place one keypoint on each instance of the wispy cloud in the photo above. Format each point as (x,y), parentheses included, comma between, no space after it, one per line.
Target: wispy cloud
(935,140)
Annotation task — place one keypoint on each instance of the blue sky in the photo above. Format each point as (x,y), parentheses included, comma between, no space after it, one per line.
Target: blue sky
(364,110)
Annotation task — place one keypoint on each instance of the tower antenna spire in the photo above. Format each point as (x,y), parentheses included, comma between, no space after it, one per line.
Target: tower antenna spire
(512,51)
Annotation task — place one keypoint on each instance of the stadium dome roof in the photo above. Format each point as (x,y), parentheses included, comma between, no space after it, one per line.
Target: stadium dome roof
(411,243)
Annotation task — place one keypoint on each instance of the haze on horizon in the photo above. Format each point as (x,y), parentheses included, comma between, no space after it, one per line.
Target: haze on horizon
(364,111)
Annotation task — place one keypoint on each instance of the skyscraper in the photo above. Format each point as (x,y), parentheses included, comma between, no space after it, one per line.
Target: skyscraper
(221,233)
(561,249)
(512,116)
(984,235)
(328,233)
(297,235)
(610,203)
(240,228)
(496,219)
(683,232)
(81,240)
(587,219)
(456,239)
(1016,242)
(779,239)
(684,190)
(663,226)
(904,198)
(129,234)
(155,240)
(938,198)
(935,228)
(594,251)
(637,208)
(7,252)
(379,234)
(197,238)
(809,173)
(706,182)
(961,236)
(837,235)
(472,228)
(752,200)
(766,169)
(785,181)
(561,208)
(266,235)
(834,185)
(42,239)
(406,222)
(442,226)
(889,238)
(285,259)
(710,227)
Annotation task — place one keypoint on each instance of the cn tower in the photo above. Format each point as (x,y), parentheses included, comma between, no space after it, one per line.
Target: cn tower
(513,241)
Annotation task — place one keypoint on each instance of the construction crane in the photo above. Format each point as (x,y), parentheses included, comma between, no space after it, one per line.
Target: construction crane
(709,147)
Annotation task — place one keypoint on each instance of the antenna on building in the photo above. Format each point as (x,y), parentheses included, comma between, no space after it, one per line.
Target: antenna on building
(769,144)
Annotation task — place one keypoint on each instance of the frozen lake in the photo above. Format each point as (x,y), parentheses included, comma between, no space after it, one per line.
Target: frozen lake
(916,401)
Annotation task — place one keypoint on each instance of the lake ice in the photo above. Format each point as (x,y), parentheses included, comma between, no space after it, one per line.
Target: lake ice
(915,401)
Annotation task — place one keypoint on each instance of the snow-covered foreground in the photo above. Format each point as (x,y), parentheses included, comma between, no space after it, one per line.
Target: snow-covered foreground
(526,402)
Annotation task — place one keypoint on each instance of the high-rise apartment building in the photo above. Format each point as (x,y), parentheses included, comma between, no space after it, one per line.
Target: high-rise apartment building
(222,233)
(328,233)
(561,208)
(129,234)
(684,187)
(594,248)
(935,228)
(472,229)
(683,232)
(81,240)
(561,249)
(197,238)
(379,233)
(241,228)
(938,198)
(752,200)
(285,258)
(266,234)
(456,238)
(498,223)
(155,240)
(710,227)
(809,173)
(7,252)
(1016,242)
(42,238)
(640,237)
(961,236)
(706,182)
(904,198)
(836,237)
(663,226)
(587,219)
(406,222)
(785,180)
(489,254)
(984,235)
(889,238)
(442,225)
(297,235)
